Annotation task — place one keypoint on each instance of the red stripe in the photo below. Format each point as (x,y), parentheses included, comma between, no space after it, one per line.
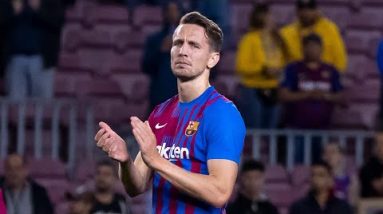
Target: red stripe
(160,190)
(173,192)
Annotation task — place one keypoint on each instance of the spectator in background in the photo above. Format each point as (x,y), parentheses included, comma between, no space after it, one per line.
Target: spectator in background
(32,40)
(259,63)
(310,20)
(81,202)
(3,208)
(379,57)
(156,59)
(321,199)
(250,199)
(346,183)
(106,199)
(218,11)
(22,194)
(371,173)
(310,88)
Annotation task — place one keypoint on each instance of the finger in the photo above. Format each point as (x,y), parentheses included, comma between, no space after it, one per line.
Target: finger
(102,140)
(105,126)
(99,134)
(138,137)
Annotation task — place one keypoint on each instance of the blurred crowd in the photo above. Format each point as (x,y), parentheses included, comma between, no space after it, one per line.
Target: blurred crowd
(290,77)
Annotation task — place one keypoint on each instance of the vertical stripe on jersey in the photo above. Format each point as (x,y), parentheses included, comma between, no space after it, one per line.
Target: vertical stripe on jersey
(174,202)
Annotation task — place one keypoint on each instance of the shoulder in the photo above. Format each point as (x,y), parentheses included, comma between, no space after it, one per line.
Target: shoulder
(292,67)
(223,112)
(251,36)
(289,28)
(160,108)
(328,24)
(221,106)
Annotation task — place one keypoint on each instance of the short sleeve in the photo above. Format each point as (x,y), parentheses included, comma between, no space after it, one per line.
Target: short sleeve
(224,131)
(289,78)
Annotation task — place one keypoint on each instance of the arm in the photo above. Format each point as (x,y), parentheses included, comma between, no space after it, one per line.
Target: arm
(214,188)
(250,59)
(338,50)
(286,95)
(134,175)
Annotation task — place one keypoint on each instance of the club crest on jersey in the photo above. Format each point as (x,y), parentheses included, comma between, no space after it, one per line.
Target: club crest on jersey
(192,128)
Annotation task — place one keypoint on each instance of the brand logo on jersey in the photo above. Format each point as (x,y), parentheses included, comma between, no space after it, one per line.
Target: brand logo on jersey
(158,126)
(174,152)
(192,128)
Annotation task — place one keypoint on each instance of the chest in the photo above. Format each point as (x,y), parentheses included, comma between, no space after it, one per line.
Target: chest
(311,80)
(179,135)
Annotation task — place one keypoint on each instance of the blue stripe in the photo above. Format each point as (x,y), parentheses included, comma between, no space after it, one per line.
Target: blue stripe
(166,198)
(156,179)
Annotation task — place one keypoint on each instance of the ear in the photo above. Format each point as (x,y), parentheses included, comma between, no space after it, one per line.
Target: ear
(213,60)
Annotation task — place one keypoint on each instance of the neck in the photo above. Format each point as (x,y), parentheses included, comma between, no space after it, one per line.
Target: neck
(322,197)
(104,197)
(191,89)
(312,63)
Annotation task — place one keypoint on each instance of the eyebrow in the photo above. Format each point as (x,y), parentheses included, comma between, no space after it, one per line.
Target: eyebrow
(191,42)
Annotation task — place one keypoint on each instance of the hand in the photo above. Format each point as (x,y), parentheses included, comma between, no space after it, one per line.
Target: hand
(111,143)
(318,94)
(167,43)
(35,4)
(146,140)
(17,6)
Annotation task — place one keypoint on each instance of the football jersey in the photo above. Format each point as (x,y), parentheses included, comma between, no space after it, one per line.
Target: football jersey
(188,135)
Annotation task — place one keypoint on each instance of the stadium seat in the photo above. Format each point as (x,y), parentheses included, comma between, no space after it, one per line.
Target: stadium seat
(144,15)
(300,175)
(276,174)
(47,168)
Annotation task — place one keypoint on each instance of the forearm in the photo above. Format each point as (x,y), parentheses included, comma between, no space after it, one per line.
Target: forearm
(288,96)
(204,187)
(135,182)
(334,97)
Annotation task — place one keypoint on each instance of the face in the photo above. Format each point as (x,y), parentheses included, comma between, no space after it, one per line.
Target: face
(377,184)
(332,155)
(15,171)
(191,54)
(172,13)
(307,16)
(379,145)
(105,178)
(313,51)
(321,179)
(252,181)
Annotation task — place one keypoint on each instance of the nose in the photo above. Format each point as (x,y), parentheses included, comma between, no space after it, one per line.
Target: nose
(183,50)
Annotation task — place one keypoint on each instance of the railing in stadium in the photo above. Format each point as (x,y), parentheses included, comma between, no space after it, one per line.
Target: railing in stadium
(356,138)
(38,114)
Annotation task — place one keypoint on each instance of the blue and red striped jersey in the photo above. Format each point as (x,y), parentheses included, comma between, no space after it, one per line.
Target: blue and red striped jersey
(188,135)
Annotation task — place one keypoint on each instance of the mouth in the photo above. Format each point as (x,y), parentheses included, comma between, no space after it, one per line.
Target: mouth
(183,63)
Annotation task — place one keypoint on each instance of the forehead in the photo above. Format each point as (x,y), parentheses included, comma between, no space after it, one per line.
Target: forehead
(14,161)
(190,32)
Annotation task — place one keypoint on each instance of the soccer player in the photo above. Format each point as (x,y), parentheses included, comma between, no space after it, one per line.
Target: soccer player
(191,145)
